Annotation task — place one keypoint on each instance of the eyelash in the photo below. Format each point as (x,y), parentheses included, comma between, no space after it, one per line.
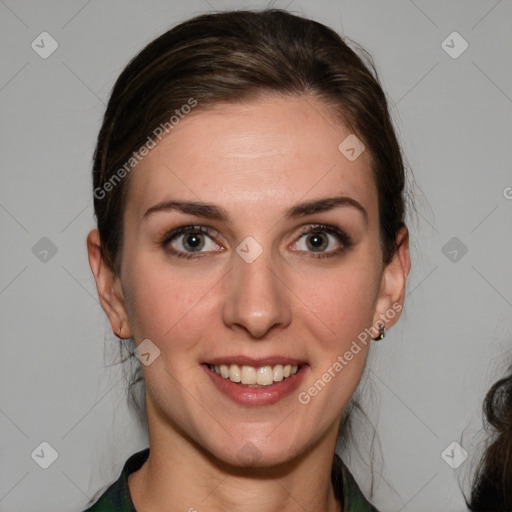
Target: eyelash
(343,237)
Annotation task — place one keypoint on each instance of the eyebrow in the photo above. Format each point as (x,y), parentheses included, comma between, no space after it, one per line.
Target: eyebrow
(216,212)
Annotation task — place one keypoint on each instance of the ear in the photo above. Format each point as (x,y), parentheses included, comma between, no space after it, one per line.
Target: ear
(109,287)
(392,290)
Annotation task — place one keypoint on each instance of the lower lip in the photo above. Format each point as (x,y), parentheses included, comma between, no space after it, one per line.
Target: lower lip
(268,395)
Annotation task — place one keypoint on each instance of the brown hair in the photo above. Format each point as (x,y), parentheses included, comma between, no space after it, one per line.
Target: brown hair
(492,486)
(232,57)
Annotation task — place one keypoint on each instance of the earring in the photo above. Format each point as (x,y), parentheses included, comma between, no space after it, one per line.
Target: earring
(382,333)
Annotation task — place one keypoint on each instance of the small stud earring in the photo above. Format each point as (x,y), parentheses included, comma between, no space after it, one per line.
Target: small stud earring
(382,333)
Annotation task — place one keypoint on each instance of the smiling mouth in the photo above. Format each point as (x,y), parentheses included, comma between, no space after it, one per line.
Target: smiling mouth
(256,377)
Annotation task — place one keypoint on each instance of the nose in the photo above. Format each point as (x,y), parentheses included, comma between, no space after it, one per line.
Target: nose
(257,299)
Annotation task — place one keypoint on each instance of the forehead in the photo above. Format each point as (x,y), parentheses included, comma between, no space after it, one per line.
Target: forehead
(261,155)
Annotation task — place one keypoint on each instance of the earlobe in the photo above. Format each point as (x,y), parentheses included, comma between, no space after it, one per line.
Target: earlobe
(111,298)
(392,292)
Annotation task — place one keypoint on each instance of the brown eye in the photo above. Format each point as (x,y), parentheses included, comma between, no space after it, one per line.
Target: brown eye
(319,238)
(193,241)
(187,240)
(317,241)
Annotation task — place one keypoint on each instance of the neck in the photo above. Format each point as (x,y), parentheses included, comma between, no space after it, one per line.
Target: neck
(181,476)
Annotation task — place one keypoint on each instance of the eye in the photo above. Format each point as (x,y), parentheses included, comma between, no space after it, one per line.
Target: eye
(319,238)
(187,240)
(191,241)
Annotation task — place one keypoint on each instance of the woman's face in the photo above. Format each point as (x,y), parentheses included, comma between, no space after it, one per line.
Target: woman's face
(254,281)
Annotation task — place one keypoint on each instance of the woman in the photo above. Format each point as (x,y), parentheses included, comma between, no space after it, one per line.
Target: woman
(249,195)
(492,486)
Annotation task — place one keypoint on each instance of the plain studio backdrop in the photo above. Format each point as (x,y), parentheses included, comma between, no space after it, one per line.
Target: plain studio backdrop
(445,67)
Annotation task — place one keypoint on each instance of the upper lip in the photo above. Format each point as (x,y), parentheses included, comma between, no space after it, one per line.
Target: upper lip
(256,362)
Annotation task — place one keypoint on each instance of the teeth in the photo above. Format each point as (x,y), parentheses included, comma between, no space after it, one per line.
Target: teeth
(224,371)
(248,375)
(265,376)
(235,374)
(262,376)
(278,373)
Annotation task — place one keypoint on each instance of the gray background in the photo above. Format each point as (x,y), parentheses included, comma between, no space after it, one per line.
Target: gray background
(429,376)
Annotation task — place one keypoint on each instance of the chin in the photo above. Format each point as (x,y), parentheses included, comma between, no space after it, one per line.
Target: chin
(254,454)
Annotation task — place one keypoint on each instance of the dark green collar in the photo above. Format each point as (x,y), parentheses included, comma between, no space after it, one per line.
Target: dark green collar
(117,498)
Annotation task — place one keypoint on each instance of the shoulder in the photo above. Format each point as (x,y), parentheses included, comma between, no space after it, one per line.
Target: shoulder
(117,497)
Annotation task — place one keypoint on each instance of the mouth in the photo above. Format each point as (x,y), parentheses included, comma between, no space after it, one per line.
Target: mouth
(255,376)
(256,382)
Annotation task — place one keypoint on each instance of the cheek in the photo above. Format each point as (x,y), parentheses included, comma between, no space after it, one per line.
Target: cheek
(162,304)
(339,304)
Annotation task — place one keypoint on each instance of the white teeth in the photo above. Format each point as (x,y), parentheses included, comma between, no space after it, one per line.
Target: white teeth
(262,376)
(235,374)
(278,373)
(248,375)
(224,371)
